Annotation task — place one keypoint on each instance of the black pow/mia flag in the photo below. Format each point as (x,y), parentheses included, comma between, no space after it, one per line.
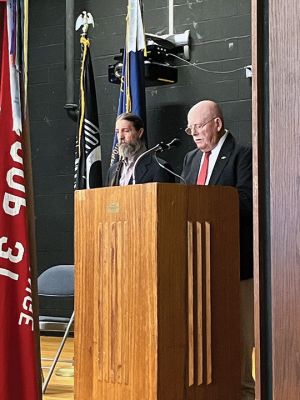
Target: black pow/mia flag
(88,169)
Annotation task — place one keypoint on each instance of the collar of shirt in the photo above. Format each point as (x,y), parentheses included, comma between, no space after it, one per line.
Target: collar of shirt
(127,168)
(213,156)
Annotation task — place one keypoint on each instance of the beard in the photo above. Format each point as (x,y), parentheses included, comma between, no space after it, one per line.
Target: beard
(128,150)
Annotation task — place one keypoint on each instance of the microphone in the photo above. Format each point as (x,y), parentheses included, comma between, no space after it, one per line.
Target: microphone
(157,148)
(167,146)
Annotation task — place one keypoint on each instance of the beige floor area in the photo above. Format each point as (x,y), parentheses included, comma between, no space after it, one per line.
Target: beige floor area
(59,387)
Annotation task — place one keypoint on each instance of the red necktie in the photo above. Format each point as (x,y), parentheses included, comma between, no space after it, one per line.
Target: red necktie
(203,171)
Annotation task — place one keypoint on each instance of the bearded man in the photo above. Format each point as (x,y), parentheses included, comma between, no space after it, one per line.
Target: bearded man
(130,131)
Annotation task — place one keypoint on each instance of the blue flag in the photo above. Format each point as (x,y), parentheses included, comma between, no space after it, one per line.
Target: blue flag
(132,89)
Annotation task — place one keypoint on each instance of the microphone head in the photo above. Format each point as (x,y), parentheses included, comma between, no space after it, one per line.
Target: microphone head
(162,146)
(174,143)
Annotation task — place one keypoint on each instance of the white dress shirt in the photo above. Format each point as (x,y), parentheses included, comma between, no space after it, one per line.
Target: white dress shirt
(127,168)
(213,157)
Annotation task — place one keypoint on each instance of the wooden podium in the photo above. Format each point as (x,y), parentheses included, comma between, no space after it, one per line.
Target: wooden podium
(157,293)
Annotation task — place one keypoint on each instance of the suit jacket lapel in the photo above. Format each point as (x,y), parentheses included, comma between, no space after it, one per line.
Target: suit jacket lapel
(195,167)
(222,159)
(114,180)
(142,168)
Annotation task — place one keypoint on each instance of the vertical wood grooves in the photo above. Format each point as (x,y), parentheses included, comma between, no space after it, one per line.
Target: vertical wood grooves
(208,304)
(119,310)
(199,305)
(199,257)
(125,288)
(112,334)
(190,305)
(113,307)
(98,327)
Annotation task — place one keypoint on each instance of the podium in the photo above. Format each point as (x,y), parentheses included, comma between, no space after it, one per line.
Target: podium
(157,293)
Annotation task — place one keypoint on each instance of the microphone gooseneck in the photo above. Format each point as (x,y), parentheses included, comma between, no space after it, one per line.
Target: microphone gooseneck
(169,170)
(155,149)
(152,150)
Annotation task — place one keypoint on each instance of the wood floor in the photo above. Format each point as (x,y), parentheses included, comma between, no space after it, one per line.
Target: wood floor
(59,387)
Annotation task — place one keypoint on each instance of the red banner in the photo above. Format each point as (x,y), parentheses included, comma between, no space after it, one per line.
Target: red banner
(18,367)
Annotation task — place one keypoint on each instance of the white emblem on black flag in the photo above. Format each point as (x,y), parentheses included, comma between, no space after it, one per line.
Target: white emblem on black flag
(88,171)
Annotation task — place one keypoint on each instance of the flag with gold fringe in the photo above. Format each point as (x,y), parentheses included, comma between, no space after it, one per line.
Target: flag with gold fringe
(88,169)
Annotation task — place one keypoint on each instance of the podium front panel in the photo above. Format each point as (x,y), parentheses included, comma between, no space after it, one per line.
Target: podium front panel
(156,302)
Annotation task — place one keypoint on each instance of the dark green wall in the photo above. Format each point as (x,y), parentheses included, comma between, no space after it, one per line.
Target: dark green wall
(220,31)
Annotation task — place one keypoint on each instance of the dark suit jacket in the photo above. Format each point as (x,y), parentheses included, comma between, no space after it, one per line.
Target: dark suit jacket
(147,170)
(233,168)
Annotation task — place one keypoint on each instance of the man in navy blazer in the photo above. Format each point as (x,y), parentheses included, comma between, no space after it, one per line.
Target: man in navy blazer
(220,160)
(130,130)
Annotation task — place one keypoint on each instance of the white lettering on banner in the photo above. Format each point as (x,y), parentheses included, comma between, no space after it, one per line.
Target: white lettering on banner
(15,147)
(7,254)
(9,274)
(12,204)
(28,319)
(27,299)
(27,306)
(10,179)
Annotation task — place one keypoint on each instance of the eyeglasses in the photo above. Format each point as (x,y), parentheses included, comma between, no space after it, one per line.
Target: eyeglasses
(196,127)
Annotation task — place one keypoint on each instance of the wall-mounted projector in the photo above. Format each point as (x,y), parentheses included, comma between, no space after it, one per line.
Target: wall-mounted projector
(157,70)
(178,43)
(156,74)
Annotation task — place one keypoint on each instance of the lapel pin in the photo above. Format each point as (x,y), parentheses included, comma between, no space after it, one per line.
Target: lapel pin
(223,157)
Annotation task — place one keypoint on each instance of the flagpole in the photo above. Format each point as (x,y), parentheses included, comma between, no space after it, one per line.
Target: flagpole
(142,7)
(171,17)
(70,106)
(32,239)
(30,199)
